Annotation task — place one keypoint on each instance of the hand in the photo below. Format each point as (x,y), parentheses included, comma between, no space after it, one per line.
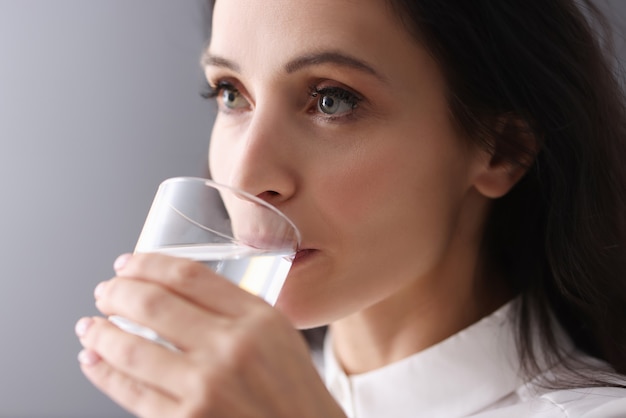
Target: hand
(238,357)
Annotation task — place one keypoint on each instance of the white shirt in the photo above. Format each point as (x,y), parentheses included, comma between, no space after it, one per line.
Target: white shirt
(472,373)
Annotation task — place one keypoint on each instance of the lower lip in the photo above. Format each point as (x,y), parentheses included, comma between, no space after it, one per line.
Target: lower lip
(303,255)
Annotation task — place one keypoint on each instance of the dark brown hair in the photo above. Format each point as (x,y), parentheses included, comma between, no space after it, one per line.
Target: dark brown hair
(560,235)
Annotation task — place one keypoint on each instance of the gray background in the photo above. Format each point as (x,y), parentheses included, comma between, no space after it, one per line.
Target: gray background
(98,103)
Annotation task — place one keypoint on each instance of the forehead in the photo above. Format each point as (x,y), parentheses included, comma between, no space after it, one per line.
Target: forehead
(272,16)
(255,27)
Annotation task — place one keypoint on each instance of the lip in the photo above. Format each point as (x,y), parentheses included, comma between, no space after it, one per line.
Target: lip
(304,254)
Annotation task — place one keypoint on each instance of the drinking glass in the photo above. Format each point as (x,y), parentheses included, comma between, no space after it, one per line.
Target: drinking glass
(236,234)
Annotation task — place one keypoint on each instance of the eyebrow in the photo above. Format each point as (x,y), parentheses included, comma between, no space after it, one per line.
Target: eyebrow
(301,62)
(331,57)
(215,61)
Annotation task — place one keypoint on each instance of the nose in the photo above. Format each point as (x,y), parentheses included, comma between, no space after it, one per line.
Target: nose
(259,159)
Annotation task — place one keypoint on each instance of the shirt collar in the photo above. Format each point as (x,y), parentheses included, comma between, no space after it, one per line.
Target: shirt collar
(456,377)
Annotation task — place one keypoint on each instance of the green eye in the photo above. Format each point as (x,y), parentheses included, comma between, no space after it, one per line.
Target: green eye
(232,98)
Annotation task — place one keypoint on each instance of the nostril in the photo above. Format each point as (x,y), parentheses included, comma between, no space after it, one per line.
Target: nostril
(268,195)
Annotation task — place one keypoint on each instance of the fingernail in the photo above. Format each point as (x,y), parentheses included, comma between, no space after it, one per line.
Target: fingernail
(88,357)
(121,261)
(82,326)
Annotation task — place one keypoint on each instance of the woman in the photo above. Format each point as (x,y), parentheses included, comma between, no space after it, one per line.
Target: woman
(455,170)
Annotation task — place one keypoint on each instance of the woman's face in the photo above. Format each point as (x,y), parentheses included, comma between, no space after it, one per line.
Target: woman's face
(330,110)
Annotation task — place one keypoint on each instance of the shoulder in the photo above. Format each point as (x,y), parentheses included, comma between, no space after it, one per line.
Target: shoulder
(583,402)
(534,399)
(602,402)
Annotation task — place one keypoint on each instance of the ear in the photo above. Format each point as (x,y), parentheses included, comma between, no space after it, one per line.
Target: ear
(511,153)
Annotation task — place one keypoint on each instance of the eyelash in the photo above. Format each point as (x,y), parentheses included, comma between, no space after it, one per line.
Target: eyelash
(340,93)
(213,90)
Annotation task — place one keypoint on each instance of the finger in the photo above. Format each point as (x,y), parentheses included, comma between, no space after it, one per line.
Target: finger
(190,279)
(178,320)
(151,367)
(136,397)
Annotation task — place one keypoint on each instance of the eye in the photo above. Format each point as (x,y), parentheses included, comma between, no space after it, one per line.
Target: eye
(232,98)
(335,101)
(227,95)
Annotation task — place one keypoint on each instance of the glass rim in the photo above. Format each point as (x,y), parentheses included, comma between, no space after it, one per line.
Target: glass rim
(243,193)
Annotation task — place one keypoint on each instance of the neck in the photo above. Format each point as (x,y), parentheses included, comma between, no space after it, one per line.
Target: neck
(426,312)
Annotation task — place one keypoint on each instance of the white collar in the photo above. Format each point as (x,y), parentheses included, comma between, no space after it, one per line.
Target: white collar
(461,375)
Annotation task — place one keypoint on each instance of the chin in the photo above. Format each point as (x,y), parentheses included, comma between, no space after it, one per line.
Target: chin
(303,310)
(306,298)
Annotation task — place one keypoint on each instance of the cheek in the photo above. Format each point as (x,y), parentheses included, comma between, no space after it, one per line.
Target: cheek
(395,203)
(352,189)
(385,185)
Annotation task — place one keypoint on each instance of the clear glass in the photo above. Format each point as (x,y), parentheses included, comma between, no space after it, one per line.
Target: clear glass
(238,235)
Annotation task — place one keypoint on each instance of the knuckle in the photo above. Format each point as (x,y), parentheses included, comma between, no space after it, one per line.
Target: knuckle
(126,354)
(152,302)
(105,376)
(140,261)
(185,271)
(135,389)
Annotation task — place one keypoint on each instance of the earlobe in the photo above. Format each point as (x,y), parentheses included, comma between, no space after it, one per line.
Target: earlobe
(512,153)
(496,180)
